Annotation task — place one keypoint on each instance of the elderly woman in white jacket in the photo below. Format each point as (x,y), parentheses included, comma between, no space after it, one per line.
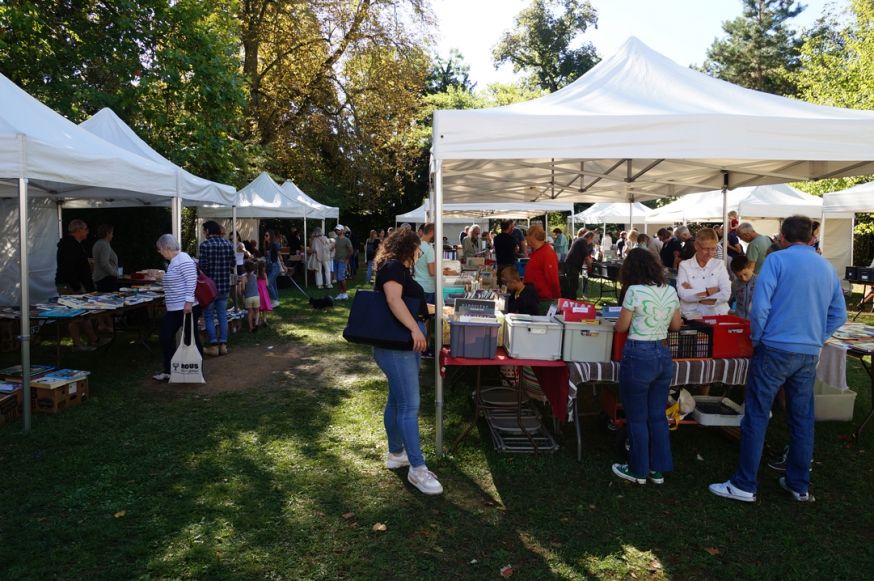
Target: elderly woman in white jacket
(702,281)
(321,261)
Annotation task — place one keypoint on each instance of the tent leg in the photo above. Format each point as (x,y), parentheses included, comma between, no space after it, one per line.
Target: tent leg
(438,315)
(725,224)
(24,338)
(60,221)
(305,248)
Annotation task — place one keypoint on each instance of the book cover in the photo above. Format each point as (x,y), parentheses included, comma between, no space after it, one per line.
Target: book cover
(60,377)
(14,372)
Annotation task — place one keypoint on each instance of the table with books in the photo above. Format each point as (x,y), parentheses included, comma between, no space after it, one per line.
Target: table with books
(851,340)
(51,390)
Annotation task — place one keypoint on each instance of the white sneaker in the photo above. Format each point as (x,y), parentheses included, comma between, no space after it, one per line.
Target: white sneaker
(319,286)
(162,377)
(728,490)
(342,297)
(329,286)
(424,480)
(395,461)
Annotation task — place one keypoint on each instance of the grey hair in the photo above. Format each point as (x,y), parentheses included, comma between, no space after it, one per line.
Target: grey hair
(317,231)
(76,224)
(745,228)
(680,231)
(168,243)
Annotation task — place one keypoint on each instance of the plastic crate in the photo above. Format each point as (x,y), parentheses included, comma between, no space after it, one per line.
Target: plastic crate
(692,341)
(521,263)
(618,345)
(717,411)
(530,337)
(586,341)
(477,340)
(832,404)
(731,336)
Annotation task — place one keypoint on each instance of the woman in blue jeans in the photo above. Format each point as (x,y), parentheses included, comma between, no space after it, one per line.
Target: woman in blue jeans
(650,307)
(394,261)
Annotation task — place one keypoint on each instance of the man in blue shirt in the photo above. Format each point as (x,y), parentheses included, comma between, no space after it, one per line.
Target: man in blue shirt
(797,305)
(216,260)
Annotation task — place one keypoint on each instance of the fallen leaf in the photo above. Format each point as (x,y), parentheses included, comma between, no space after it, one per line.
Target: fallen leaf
(507,571)
(699,458)
(712,550)
(380,527)
(591,507)
(633,575)
(120,514)
(348,515)
(473,561)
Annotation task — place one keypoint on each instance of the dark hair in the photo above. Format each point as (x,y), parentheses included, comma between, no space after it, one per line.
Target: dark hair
(640,267)
(505,225)
(738,263)
(797,229)
(400,245)
(427,228)
(249,265)
(104,229)
(510,271)
(212,227)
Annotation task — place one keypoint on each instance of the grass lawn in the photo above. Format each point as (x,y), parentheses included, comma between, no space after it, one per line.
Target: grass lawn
(279,475)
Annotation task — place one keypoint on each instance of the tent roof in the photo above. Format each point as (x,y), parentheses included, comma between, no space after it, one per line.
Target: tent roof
(63,161)
(321,211)
(859,198)
(420,216)
(109,126)
(460,213)
(774,201)
(638,126)
(613,213)
(261,198)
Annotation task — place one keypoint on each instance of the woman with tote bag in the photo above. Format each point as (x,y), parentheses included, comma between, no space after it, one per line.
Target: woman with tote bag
(179,284)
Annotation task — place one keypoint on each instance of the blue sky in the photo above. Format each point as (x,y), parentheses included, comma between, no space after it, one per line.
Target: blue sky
(680,29)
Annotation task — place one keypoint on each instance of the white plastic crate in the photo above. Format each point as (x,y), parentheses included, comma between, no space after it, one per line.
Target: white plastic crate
(731,414)
(832,404)
(532,337)
(586,341)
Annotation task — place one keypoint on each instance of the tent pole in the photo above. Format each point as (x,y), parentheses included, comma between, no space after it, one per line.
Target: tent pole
(24,338)
(438,315)
(822,233)
(60,221)
(725,224)
(306,240)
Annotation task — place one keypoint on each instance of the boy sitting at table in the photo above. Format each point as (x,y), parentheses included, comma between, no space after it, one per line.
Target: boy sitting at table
(522,298)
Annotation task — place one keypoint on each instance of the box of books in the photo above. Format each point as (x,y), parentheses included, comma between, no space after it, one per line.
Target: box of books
(10,406)
(58,390)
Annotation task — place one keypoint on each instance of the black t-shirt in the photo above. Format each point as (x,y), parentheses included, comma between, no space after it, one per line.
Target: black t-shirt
(394,270)
(667,252)
(370,248)
(528,303)
(505,248)
(73,268)
(576,256)
(294,244)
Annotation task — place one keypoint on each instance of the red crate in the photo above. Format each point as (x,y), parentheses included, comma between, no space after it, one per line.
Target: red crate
(618,345)
(731,336)
(576,311)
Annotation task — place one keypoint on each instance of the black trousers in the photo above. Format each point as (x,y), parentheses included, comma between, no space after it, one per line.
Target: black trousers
(573,280)
(169,326)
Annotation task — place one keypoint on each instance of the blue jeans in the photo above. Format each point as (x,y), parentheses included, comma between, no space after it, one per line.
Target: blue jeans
(218,307)
(401,414)
(272,275)
(644,380)
(369,270)
(431,298)
(340,270)
(769,370)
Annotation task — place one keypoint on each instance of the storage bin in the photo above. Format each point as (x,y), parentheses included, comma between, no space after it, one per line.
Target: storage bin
(717,411)
(531,337)
(692,341)
(574,311)
(731,336)
(474,340)
(618,345)
(521,263)
(832,404)
(590,341)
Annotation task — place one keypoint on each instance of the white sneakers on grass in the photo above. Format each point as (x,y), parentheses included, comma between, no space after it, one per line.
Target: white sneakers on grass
(728,490)
(420,477)
(342,297)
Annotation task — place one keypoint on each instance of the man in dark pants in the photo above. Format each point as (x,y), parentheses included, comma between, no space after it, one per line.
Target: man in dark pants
(797,305)
(506,248)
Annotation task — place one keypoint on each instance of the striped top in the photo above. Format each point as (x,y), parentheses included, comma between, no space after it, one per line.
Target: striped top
(179,282)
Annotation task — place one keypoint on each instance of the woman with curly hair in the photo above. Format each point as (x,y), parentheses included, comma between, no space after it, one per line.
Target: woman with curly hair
(650,307)
(394,260)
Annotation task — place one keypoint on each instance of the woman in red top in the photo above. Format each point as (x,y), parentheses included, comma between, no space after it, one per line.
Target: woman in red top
(542,267)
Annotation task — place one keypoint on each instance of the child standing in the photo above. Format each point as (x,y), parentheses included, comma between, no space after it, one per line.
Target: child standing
(265,305)
(650,307)
(251,294)
(743,286)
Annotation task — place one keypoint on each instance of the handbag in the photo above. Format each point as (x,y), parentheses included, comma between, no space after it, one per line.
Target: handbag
(186,365)
(371,322)
(205,291)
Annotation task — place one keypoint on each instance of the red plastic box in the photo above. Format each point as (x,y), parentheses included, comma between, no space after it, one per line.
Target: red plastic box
(731,336)
(618,345)
(575,311)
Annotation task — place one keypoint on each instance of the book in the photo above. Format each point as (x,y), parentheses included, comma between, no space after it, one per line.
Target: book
(9,387)
(59,377)
(14,372)
(62,312)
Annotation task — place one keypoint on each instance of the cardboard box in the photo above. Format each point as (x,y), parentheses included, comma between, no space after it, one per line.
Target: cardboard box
(51,400)
(10,406)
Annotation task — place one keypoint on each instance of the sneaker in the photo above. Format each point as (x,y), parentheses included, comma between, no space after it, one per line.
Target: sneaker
(656,477)
(223,349)
(728,490)
(624,472)
(778,463)
(395,461)
(212,350)
(82,347)
(806,497)
(424,480)
(319,286)
(329,286)
(162,377)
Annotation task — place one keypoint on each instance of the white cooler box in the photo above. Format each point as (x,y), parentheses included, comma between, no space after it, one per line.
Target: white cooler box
(587,340)
(530,337)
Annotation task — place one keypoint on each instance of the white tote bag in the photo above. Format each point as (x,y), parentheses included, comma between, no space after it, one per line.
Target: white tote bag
(186,365)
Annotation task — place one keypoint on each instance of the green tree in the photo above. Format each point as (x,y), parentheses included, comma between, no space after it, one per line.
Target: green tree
(449,72)
(759,51)
(543,39)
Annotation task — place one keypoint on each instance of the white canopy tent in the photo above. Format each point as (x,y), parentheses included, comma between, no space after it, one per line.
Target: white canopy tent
(47,157)
(771,201)
(639,126)
(322,211)
(614,213)
(859,198)
(190,189)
